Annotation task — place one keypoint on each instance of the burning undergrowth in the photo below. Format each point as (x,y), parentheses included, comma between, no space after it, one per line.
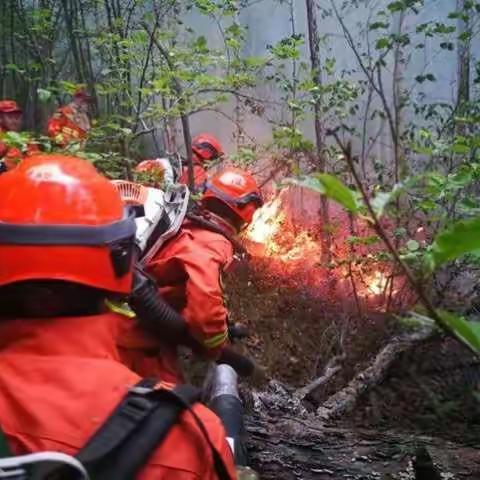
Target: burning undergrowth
(302,311)
(288,243)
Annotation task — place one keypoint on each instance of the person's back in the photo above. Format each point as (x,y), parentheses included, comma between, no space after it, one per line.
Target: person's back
(71,123)
(60,370)
(58,386)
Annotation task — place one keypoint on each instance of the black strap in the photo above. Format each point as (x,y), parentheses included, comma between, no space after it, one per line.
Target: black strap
(88,235)
(4,448)
(125,442)
(200,217)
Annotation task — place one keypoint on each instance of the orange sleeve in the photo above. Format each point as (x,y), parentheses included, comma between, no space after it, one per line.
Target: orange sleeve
(54,127)
(194,261)
(205,310)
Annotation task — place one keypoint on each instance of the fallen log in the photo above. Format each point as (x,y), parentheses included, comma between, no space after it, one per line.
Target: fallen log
(331,369)
(344,400)
(289,448)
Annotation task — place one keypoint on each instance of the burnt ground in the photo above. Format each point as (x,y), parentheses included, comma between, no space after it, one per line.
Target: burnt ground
(431,396)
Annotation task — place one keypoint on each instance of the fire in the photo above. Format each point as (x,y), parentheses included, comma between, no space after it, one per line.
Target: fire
(376,283)
(278,238)
(266,222)
(289,249)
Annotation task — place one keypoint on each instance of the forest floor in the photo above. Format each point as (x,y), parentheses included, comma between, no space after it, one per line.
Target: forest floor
(430,397)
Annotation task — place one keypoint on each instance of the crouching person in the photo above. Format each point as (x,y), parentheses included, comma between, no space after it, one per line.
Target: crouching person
(66,244)
(188,270)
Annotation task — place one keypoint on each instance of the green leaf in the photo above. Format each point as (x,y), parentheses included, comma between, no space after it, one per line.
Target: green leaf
(467,332)
(463,237)
(382,43)
(15,139)
(337,191)
(396,6)
(331,187)
(382,199)
(378,25)
(421,149)
(447,46)
(413,245)
(460,148)
(44,95)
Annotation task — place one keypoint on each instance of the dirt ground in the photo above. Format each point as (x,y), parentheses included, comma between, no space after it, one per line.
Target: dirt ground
(295,332)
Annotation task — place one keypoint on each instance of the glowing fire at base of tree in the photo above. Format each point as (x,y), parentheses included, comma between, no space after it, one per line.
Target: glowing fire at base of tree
(294,253)
(376,283)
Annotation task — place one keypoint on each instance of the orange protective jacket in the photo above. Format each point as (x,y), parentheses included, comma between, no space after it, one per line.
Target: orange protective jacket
(63,127)
(188,272)
(61,378)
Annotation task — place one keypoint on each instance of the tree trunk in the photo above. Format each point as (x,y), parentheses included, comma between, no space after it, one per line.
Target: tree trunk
(463,92)
(314,45)
(289,448)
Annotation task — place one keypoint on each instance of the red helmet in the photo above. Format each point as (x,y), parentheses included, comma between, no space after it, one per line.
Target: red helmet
(9,106)
(61,220)
(206,147)
(237,189)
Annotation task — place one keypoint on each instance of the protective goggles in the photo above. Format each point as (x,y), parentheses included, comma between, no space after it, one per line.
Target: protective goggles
(79,235)
(118,237)
(214,153)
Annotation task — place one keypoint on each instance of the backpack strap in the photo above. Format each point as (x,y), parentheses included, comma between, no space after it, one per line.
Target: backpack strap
(124,443)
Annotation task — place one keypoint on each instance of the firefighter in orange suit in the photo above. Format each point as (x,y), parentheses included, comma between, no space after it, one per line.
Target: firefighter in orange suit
(11,121)
(188,270)
(66,244)
(71,122)
(205,148)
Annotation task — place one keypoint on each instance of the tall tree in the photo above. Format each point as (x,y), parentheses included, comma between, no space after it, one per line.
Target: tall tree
(316,66)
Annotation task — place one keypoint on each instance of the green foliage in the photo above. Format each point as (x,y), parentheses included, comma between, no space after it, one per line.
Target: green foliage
(332,188)
(244,157)
(466,331)
(287,48)
(461,238)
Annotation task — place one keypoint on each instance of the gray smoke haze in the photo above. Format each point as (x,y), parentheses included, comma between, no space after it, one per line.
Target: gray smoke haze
(268,22)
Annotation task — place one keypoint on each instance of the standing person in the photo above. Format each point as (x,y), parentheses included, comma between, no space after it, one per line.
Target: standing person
(188,271)
(71,122)
(205,148)
(11,117)
(66,243)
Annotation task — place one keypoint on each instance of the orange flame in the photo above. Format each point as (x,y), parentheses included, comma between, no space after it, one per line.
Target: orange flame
(266,222)
(271,229)
(294,253)
(376,283)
